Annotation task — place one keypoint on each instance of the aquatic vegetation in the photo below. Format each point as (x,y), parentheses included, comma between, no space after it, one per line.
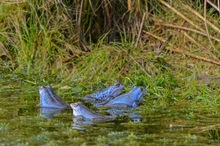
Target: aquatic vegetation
(170,47)
(120,138)
(4,127)
(40,138)
(52,143)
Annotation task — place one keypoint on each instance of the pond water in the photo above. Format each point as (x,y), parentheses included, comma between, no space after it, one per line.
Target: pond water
(22,123)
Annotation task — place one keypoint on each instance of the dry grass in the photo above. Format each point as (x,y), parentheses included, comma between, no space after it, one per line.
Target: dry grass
(49,37)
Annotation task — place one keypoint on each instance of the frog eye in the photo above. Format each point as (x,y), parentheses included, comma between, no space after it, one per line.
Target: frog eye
(142,89)
(77,103)
(117,84)
(41,87)
(49,87)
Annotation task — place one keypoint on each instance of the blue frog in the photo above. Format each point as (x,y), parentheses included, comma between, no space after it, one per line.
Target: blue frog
(50,100)
(105,95)
(129,99)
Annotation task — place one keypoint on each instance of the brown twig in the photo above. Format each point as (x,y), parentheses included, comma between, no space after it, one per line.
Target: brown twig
(198,44)
(80,14)
(107,13)
(203,129)
(193,56)
(206,27)
(137,6)
(140,29)
(189,29)
(13,1)
(201,17)
(129,5)
(181,15)
(6,52)
(157,37)
(214,6)
(182,52)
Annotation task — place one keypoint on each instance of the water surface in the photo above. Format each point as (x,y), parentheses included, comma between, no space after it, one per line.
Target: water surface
(23,123)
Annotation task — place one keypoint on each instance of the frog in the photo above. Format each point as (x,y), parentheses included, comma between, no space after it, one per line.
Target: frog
(48,99)
(129,99)
(81,112)
(105,95)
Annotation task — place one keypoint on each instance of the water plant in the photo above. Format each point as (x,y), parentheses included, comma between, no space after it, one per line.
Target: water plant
(170,47)
(4,127)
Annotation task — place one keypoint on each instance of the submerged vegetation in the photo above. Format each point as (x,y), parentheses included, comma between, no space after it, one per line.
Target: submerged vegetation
(171,47)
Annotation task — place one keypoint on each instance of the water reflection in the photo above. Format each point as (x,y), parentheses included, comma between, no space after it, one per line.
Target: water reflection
(130,113)
(126,112)
(49,113)
(80,124)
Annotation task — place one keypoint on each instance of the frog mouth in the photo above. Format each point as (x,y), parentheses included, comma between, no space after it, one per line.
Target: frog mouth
(74,105)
